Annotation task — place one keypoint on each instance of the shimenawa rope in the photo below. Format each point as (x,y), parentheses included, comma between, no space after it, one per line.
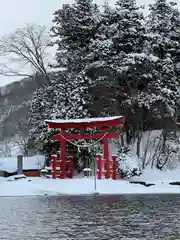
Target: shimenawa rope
(85,145)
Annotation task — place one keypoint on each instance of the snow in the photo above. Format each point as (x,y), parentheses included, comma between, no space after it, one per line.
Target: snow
(85,186)
(16,177)
(155,175)
(48,168)
(84,120)
(9,164)
(44,170)
(87,170)
(149,147)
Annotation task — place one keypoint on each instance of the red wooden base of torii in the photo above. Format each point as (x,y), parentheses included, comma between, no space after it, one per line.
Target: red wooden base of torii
(102,123)
(104,168)
(61,165)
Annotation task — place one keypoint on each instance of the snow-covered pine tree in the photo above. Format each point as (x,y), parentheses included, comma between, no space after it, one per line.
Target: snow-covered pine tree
(47,103)
(131,58)
(175,37)
(156,80)
(81,104)
(79,99)
(98,68)
(117,58)
(74,28)
(163,28)
(63,35)
(130,27)
(163,96)
(117,43)
(142,67)
(61,86)
(163,43)
(38,112)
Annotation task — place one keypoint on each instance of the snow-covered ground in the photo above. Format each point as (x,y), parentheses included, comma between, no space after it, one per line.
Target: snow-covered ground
(84,186)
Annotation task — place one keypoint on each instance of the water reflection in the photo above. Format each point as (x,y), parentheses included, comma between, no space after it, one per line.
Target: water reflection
(91,218)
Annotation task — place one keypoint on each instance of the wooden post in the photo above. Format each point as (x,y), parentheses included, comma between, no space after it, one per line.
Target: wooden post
(99,167)
(19,164)
(106,154)
(63,156)
(70,167)
(107,165)
(53,165)
(114,168)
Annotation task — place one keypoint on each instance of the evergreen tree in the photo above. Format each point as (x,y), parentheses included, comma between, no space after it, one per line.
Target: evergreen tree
(147,78)
(163,27)
(62,33)
(79,99)
(38,112)
(130,28)
(99,69)
(75,27)
(47,103)
(117,48)
(162,98)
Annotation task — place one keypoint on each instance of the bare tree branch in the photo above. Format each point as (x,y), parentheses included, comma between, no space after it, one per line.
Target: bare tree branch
(27,49)
(23,136)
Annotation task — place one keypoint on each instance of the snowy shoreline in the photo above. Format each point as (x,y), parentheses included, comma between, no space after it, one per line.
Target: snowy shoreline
(81,187)
(150,182)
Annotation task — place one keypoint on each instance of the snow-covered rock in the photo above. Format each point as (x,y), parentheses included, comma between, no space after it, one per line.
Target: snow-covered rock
(16,177)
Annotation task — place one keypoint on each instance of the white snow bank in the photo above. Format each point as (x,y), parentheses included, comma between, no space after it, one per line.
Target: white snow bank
(154,175)
(16,177)
(29,163)
(83,186)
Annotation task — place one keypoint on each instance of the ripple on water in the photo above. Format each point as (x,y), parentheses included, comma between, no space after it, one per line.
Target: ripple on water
(90,218)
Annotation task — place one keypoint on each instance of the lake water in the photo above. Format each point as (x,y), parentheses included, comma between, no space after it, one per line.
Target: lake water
(90,218)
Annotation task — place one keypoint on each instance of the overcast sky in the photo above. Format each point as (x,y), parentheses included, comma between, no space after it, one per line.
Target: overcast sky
(16,13)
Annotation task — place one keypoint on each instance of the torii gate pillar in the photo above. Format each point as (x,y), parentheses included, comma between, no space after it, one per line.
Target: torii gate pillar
(106,153)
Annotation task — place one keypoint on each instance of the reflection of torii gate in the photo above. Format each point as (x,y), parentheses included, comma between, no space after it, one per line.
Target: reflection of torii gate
(102,123)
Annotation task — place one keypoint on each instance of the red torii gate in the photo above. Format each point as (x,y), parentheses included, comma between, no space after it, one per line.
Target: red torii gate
(102,123)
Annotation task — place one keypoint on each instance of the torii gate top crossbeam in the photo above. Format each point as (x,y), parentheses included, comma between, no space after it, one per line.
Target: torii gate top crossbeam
(84,123)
